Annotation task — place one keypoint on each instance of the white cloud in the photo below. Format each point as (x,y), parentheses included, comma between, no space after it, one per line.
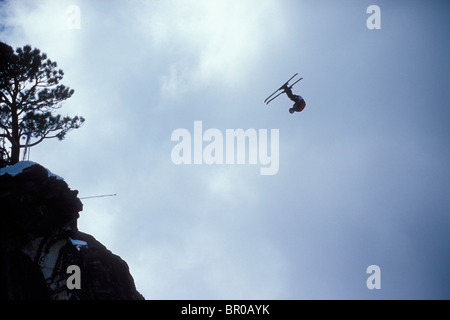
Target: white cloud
(207,41)
(42,24)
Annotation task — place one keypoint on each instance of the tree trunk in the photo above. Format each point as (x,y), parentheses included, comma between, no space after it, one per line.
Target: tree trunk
(15,143)
(15,154)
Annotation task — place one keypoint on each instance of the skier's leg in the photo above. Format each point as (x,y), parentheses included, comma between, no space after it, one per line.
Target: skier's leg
(289,93)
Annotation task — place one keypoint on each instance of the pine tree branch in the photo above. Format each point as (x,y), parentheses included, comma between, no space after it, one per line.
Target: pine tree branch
(4,127)
(4,98)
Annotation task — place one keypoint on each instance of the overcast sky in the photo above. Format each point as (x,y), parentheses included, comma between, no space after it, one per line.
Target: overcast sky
(363,173)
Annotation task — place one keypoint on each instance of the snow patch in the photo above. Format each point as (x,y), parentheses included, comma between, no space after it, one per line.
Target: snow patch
(78,243)
(20,166)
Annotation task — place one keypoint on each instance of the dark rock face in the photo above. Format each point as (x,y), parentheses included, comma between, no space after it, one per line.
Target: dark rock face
(40,240)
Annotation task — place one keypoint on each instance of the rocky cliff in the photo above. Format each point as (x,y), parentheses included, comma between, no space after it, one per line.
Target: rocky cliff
(43,254)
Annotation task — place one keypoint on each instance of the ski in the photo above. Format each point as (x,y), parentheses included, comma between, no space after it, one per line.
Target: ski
(295,83)
(268,101)
(265,101)
(272,97)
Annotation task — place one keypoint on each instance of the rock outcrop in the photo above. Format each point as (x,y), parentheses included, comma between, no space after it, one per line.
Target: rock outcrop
(43,254)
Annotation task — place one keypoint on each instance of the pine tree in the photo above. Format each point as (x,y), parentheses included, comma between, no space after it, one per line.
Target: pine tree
(30,92)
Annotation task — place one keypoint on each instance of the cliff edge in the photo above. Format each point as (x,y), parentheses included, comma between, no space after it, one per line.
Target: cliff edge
(43,255)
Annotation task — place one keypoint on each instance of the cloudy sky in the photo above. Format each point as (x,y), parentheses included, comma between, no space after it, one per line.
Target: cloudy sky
(363,173)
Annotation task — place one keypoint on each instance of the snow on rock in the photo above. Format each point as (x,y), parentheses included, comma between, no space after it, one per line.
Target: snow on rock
(78,243)
(20,166)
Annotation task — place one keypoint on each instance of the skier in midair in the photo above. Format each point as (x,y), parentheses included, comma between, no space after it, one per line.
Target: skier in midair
(299,102)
